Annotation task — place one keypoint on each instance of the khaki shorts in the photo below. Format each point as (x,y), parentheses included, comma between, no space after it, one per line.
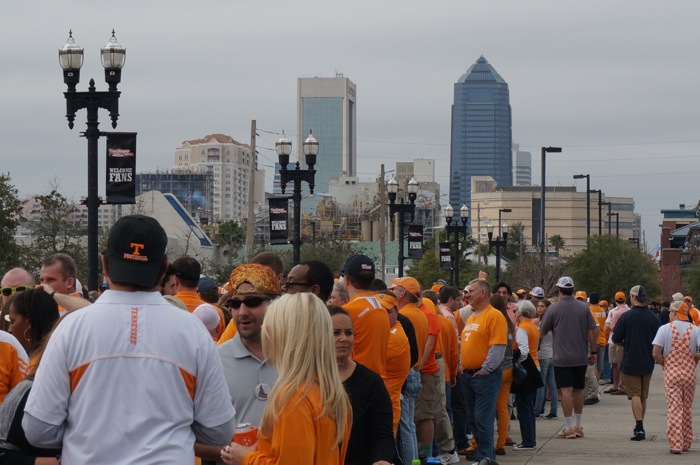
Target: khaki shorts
(615,353)
(428,398)
(637,385)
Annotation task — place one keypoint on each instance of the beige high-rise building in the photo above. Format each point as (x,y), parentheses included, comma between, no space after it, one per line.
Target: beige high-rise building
(565,212)
(228,161)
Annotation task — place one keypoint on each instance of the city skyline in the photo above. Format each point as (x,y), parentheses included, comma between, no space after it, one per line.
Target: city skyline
(612,84)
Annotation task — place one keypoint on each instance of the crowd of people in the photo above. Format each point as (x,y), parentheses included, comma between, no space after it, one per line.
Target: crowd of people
(163,364)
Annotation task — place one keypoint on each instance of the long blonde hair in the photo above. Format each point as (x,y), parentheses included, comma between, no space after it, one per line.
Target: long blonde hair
(297,337)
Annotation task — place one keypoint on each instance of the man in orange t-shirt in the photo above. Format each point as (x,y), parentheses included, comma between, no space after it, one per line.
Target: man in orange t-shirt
(369,318)
(482,348)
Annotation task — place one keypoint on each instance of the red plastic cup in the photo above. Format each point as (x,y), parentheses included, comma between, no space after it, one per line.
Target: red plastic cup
(246,434)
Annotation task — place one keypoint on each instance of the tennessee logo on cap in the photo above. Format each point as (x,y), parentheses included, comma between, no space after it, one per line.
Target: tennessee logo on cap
(136,253)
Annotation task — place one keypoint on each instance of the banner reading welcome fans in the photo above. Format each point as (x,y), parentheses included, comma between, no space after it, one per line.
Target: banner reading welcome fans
(445,256)
(279,220)
(415,241)
(121,168)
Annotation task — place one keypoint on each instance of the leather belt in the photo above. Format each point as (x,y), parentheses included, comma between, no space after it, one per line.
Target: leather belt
(471,372)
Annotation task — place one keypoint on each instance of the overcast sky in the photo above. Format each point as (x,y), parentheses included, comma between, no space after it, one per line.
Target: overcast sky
(615,83)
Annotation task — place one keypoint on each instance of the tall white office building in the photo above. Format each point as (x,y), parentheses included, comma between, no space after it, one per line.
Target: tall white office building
(228,162)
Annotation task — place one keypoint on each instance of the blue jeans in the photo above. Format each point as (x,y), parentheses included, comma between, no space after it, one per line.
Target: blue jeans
(459,415)
(525,403)
(407,426)
(607,368)
(547,374)
(480,393)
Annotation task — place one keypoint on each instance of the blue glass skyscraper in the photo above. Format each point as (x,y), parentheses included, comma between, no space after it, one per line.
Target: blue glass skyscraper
(481,131)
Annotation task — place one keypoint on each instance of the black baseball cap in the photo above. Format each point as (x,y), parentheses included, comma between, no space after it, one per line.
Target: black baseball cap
(355,264)
(136,248)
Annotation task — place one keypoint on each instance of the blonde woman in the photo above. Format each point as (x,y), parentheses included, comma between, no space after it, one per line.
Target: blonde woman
(307,417)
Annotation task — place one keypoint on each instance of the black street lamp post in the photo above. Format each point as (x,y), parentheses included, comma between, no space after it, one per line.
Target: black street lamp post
(609,204)
(71,60)
(617,222)
(402,208)
(284,147)
(600,209)
(456,229)
(500,241)
(588,201)
(543,239)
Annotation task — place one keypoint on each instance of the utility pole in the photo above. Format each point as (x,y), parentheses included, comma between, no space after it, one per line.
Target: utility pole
(250,224)
(436,223)
(382,221)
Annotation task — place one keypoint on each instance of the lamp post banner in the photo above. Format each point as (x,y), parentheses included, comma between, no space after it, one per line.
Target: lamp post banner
(121,168)
(415,241)
(445,256)
(279,220)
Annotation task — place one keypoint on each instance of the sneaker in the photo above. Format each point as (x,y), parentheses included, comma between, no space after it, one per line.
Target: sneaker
(605,382)
(522,446)
(591,401)
(551,416)
(578,431)
(448,458)
(566,433)
(509,441)
(639,436)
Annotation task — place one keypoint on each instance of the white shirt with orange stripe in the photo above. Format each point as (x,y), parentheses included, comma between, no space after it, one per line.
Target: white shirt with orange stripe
(128,379)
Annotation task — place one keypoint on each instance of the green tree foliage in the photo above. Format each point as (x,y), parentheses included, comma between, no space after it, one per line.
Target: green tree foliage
(610,264)
(58,230)
(516,242)
(230,234)
(10,209)
(557,242)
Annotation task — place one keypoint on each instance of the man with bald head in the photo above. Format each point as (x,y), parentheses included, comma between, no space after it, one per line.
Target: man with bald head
(15,280)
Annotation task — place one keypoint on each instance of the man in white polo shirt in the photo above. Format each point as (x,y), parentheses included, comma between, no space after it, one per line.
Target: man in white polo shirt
(130,379)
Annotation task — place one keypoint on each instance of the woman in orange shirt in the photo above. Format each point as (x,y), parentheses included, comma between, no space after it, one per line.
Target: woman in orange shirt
(307,417)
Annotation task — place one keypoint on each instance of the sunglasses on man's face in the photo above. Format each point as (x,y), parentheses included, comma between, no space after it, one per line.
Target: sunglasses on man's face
(8,291)
(250,302)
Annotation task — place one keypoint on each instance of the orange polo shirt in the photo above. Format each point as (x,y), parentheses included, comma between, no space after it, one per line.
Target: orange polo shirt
(599,316)
(420,326)
(371,325)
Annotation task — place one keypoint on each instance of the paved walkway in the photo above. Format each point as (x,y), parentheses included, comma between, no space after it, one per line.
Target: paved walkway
(608,428)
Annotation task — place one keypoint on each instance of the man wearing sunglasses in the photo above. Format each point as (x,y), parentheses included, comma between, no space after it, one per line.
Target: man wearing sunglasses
(310,276)
(248,374)
(15,280)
